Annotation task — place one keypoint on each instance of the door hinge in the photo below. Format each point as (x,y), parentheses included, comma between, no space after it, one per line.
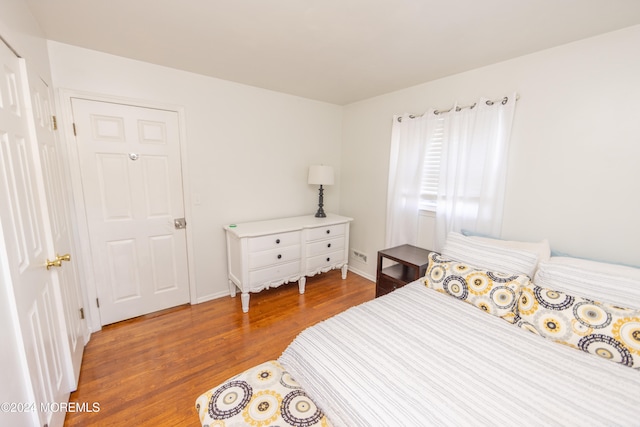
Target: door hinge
(81,313)
(74,130)
(54,122)
(98,302)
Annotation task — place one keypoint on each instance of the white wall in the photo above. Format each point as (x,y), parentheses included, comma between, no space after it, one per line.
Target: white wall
(574,167)
(20,29)
(248,149)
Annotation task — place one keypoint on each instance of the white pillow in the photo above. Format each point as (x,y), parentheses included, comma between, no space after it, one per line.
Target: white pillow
(541,248)
(489,254)
(599,281)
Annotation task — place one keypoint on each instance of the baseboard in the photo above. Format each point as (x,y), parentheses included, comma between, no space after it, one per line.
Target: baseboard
(213,296)
(226,293)
(362,273)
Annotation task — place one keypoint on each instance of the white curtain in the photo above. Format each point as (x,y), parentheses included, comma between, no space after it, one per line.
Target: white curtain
(473,168)
(409,136)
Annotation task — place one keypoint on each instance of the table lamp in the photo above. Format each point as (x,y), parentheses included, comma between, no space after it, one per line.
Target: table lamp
(320,175)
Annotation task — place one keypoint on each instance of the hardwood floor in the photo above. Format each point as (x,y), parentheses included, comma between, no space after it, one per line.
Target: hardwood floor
(150,370)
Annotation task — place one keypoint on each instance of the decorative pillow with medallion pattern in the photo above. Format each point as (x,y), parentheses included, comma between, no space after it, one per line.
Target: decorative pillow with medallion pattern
(262,396)
(606,330)
(494,292)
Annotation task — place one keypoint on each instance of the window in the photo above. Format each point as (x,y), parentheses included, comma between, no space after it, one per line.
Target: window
(431,169)
(453,162)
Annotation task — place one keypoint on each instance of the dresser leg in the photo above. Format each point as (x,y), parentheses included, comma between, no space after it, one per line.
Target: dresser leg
(245,302)
(302,282)
(344,271)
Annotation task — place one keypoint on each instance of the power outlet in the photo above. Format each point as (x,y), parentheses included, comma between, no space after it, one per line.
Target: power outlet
(360,256)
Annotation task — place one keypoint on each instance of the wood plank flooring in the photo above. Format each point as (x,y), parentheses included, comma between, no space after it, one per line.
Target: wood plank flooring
(148,371)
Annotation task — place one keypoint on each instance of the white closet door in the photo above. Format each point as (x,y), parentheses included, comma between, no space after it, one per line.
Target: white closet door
(57,190)
(28,244)
(132,187)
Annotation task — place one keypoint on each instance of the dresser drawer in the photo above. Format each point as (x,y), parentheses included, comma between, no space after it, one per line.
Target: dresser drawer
(325,246)
(326,232)
(274,241)
(278,256)
(278,273)
(318,262)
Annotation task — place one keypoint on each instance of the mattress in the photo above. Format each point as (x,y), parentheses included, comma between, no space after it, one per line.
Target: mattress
(418,357)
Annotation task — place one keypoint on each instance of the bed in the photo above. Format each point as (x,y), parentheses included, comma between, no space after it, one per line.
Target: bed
(456,348)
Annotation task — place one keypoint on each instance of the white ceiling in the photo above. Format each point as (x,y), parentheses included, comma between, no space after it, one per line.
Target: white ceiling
(339,51)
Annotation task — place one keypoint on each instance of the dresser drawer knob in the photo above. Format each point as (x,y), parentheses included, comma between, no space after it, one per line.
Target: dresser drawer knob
(277,241)
(279,256)
(328,231)
(328,245)
(328,259)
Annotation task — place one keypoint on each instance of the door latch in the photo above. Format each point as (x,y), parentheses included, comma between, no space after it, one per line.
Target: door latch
(180,223)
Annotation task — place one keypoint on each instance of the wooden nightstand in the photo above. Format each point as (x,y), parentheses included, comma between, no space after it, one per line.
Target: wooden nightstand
(410,263)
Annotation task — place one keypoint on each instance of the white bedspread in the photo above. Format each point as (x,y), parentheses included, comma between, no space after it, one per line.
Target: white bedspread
(419,358)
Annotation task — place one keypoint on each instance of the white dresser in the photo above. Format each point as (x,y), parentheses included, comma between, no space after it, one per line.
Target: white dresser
(266,254)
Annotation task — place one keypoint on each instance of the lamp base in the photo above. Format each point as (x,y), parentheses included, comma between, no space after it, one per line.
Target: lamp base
(320,213)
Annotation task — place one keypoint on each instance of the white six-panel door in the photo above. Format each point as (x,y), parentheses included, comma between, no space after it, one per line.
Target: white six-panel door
(132,189)
(55,181)
(28,245)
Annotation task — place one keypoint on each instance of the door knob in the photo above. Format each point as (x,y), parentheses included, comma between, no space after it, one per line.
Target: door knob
(180,223)
(55,263)
(65,257)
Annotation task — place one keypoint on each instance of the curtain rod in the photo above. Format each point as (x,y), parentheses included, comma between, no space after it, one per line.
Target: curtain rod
(489,102)
(502,100)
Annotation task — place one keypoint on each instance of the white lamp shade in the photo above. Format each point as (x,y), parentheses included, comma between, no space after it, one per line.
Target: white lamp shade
(321,175)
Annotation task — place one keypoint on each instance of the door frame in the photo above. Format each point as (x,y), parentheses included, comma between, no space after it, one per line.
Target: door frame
(85,263)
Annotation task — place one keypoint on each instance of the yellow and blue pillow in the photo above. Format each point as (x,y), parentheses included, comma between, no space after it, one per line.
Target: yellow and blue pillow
(494,292)
(602,329)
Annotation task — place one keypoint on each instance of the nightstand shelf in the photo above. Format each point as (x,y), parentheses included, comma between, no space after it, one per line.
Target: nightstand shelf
(409,264)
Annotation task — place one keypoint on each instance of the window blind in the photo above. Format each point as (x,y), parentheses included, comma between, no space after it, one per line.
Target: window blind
(431,168)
